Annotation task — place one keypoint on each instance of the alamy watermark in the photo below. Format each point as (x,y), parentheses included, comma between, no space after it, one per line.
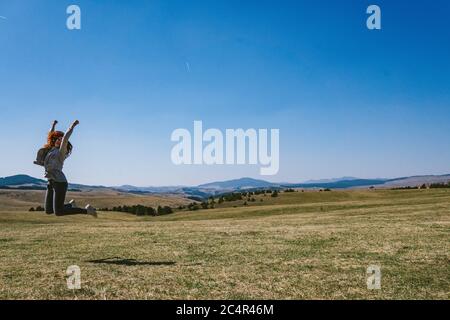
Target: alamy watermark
(73,21)
(374,277)
(238,147)
(73,277)
(374,20)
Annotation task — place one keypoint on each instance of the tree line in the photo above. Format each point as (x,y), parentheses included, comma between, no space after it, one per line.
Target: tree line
(436,185)
(210,203)
(141,210)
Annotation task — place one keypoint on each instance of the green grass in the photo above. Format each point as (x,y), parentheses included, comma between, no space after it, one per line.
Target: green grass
(312,245)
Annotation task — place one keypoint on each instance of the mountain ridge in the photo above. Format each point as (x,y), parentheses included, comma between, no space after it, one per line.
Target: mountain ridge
(23,181)
(240,183)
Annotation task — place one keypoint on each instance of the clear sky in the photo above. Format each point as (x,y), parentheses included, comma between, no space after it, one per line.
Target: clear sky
(348,101)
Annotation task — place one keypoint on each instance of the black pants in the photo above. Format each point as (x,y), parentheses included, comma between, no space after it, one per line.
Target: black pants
(54,200)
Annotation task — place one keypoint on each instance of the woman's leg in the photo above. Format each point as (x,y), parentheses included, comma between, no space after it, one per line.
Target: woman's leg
(49,199)
(58,201)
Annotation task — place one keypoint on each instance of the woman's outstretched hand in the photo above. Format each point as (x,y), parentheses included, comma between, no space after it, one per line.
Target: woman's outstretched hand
(75,123)
(53,125)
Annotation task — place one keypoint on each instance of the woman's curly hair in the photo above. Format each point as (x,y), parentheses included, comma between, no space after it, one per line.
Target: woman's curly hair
(51,141)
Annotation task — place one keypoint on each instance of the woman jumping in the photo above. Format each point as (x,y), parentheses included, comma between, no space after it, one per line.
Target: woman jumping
(57,149)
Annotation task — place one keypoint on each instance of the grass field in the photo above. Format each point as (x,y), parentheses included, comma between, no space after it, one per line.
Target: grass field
(22,200)
(312,245)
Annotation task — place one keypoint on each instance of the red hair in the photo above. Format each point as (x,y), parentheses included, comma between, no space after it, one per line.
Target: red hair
(52,137)
(51,141)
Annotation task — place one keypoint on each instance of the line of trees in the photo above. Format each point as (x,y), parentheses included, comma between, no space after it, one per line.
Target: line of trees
(210,203)
(439,185)
(141,210)
(236,196)
(436,185)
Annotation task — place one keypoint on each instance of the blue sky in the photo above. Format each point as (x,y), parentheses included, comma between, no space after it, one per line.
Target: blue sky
(348,101)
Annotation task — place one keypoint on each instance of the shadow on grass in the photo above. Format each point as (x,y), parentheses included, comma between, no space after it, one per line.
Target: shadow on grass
(131,262)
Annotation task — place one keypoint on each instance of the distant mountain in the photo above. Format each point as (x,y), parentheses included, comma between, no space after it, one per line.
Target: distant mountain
(131,188)
(214,188)
(340,184)
(416,180)
(331,180)
(236,184)
(20,180)
(26,182)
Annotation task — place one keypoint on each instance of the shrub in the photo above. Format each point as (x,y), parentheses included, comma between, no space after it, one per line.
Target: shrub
(193,206)
(164,210)
(138,210)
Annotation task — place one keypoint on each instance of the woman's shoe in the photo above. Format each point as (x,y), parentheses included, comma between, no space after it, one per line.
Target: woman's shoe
(91,211)
(73,203)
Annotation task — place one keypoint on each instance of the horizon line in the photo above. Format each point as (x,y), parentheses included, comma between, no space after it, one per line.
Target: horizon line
(344,178)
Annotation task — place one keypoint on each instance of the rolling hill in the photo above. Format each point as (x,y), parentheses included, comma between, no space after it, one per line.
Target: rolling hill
(21,180)
(26,182)
(242,183)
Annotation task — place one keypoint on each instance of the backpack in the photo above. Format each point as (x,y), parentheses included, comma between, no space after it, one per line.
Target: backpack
(41,155)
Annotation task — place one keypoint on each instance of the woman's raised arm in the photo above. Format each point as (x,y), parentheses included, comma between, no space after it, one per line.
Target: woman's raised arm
(65,140)
(53,126)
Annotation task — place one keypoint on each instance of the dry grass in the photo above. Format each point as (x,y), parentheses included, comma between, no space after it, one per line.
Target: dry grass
(293,248)
(21,200)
